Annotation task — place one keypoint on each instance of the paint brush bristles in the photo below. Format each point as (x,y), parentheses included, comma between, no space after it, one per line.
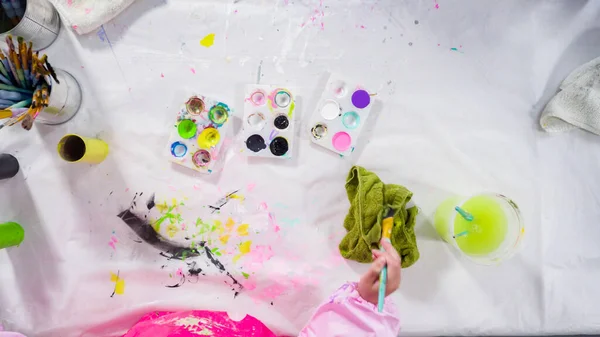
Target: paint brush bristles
(24,83)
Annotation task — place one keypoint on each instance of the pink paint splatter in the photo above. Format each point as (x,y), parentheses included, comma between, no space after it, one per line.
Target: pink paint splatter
(193,71)
(113,241)
(196,187)
(70,3)
(88,10)
(273,222)
(162,75)
(250,187)
(75,27)
(249,284)
(183,226)
(127,189)
(172,188)
(263,206)
(179,272)
(235,11)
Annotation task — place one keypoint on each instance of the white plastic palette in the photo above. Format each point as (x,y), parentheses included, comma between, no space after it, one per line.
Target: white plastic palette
(268,123)
(198,133)
(340,115)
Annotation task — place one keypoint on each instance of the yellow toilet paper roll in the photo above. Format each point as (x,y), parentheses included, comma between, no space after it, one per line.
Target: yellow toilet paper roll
(74,149)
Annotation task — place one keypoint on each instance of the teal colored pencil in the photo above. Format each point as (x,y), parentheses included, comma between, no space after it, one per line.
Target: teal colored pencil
(12,88)
(21,104)
(3,70)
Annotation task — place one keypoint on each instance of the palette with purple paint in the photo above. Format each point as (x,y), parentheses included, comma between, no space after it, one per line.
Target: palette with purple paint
(268,122)
(197,136)
(340,115)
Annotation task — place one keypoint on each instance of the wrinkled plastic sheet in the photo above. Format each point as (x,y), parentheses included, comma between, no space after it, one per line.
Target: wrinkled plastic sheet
(459,86)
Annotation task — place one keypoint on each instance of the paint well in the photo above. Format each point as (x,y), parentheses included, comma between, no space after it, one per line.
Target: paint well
(178,149)
(256,143)
(351,120)
(195,105)
(187,129)
(218,114)
(209,137)
(281,122)
(258,98)
(319,131)
(339,89)
(283,99)
(361,99)
(330,110)
(341,141)
(256,121)
(279,146)
(201,158)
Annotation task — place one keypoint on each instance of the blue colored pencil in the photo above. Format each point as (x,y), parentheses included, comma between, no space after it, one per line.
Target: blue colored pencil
(5,80)
(13,88)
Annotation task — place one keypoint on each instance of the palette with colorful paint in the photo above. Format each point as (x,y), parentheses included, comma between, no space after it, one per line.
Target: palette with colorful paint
(197,136)
(268,123)
(340,115)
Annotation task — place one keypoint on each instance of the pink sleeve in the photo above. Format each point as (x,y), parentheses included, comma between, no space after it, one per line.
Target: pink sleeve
(347,314)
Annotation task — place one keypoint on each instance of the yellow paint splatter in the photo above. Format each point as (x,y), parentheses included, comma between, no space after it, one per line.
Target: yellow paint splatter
(208,40)
(245,247)
(172,230)
(239,197)
(219,227)
(162,207)
(229,224)
(224,239)
(243,230)
(119,283)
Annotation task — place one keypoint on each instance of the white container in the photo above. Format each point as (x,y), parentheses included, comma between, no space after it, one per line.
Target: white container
(268,122)
(64,102)
(340,116)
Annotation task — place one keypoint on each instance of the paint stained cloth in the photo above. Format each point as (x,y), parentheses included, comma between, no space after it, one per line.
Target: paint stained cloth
(369,200)
(85,16)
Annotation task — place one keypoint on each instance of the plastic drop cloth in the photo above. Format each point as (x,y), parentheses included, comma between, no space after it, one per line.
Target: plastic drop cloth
(460,85)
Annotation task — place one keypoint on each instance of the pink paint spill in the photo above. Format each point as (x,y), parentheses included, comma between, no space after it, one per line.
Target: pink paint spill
(193,71)
(250,187)
(273,291)
(257,257)
(249,284)
(70,3)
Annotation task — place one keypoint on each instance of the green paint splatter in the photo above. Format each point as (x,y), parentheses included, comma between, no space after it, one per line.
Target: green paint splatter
(454,49)
(292,106)
(246,275)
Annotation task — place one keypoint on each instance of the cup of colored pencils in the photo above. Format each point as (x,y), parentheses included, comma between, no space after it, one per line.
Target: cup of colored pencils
(27,83)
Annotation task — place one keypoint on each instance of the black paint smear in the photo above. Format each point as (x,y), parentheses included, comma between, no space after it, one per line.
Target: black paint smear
(181,282)
(222,202)
(279,146)
(194,270)
(256,143)
(111,192)
(221,268)
(147,233)
(150,203)
(281,122)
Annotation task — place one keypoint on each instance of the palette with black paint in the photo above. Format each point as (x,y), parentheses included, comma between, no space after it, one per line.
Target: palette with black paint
(197,136)
(268,123)
(340,115)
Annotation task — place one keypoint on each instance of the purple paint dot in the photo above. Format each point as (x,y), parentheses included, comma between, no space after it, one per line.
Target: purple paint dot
(361,99)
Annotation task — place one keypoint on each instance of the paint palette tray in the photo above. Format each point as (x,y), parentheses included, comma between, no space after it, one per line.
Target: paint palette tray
(268,123)
(198,133)
(340,115)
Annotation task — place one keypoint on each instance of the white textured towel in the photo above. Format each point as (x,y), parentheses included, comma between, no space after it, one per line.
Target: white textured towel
(85,16)
(577,104)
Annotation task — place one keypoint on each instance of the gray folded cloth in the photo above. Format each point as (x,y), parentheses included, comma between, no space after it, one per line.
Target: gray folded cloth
(85,16)
(577,104)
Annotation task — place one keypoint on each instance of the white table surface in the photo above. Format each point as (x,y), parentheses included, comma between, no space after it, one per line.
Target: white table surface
(447,121)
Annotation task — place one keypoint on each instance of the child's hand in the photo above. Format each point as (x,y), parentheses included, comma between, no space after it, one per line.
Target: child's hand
(368,286)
